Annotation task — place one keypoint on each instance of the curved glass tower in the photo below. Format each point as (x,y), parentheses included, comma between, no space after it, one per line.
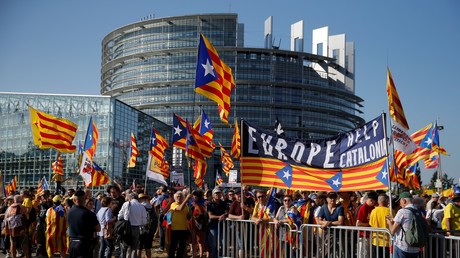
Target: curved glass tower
(151,65)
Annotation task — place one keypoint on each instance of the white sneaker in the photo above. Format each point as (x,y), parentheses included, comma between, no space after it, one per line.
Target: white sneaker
(159,249)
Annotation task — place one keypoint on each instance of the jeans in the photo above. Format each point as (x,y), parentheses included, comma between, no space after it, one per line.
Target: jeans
(105,250)
(398,253)
(212,240)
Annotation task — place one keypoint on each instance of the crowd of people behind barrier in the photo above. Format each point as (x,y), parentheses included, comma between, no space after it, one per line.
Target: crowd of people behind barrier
(45,224)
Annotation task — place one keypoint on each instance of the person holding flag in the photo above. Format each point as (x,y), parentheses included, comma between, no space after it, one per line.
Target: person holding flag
(217,212)
(56,226)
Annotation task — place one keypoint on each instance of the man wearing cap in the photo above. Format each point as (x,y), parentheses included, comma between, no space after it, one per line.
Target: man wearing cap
(217,212)
(362,220)
(83,224)
(399,223)
(147,236)
(451,220)
(56,226)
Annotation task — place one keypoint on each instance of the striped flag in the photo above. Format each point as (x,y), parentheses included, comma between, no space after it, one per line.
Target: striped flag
(214,78)
(262,172)
(158,145)
(12,186)
(42,186)
(236,142)
(157,171)
(204,127)
(199,171)
(435,144)
(133,152)
(98,176)
(92,135)
(399,126)
(179,132)
(56,227)
(420,152)
(219,179)
(226,160)
(58,167)
(196,146)
(394,103)
(52,132)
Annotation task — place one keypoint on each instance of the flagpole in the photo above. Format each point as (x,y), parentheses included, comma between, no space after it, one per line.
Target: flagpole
(439,167)
(388,165)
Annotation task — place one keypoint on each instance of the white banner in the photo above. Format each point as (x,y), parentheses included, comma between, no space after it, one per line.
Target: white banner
(86,168)
(401,139)
(232,176)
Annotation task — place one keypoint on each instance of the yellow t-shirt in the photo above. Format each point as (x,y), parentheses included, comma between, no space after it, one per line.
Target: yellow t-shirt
(28,204)
(378,220)
(451,212)
(179,218)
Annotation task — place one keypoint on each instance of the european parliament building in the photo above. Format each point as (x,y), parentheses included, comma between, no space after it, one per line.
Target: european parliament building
(115,121)
(151,65)
(148,73)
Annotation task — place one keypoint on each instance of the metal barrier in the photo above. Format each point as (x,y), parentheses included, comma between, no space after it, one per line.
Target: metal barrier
(243,238)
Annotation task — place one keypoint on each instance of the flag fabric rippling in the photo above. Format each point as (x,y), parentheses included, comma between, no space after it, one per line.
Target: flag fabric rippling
(226,160)
(58,167)
(52,132)
(158,145)
(179,132)
(42,186)
(98,176)
(219,179)
(236,142)
(133,152)
(92,135)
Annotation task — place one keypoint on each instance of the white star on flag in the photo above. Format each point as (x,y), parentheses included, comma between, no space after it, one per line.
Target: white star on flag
(206,123)
(336,182)
(428,141)
(177,130)
(286,174)
(153,141)
(384,174)
(208,68)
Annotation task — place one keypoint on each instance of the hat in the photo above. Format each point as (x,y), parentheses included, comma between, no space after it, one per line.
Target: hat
(79,193)
(57,198)
(435,195)
(142,195)
(405,195)
(313,196)
(216,190)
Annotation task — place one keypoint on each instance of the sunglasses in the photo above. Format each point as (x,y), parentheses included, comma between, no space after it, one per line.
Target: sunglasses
(287,200)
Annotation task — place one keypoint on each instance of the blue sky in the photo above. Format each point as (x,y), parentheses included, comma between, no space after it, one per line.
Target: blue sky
(53,46)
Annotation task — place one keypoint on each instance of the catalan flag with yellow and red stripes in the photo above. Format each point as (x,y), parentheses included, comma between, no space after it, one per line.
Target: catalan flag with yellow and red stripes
(214,78)
(133,152)
(199,171)
(179,132)
(262,172)
(58,167)
(227,162)
(56,226)
(98,176)
(158,145)
(52,132)
(394,103)
(12,186)
(236,142)
(92,135)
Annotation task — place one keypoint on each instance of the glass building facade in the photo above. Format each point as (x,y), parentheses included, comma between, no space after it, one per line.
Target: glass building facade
(151,65)
(114,119)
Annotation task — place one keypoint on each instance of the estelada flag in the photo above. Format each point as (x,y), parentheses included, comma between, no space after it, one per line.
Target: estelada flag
(236,142)
(52,132)
(58,167)
(98,176)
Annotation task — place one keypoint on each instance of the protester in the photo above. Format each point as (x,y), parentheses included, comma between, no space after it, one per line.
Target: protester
(362,220)
(105,218)
(330,215)
(217,212)
(149,229)
(281,220)
(56,225)
(380,241)
(451,220)
(135,212)
(198,224)
(163,195)
(401,223)
(21,239)
(40,236)
(179,225)
(82,225)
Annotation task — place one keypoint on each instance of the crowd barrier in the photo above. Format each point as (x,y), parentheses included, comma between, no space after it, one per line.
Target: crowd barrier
(243,238)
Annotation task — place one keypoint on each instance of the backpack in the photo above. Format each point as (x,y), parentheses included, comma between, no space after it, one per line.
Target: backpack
(418,232)
(16,224)
(122,230)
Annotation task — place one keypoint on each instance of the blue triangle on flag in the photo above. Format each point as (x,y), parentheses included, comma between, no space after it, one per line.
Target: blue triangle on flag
(383,175)
(285,174)
(335,182)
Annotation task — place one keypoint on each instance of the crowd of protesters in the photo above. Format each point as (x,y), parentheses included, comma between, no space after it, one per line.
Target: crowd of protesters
(74,224)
